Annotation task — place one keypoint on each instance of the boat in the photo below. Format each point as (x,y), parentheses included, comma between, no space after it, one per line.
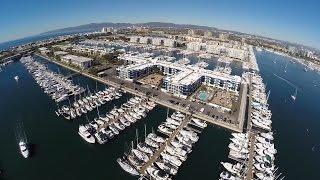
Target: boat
(156,174)
(141,155)
(172,159)
(165,167)
(234,169)
(84,133)
(24,149)
(226,175)
(125,165)
(144,148)
(16,78)
(295,95)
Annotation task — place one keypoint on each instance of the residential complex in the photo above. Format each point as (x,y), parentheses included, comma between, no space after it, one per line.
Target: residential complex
(79,61)
(181,80)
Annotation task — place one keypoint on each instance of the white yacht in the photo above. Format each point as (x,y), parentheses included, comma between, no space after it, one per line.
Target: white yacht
(226,175)
(127,167)
(234,169)
(144,148)
(172,159)
(156,174)
(16,78)
(141,155)
(83,132)
(167,169)
(200,123)
(23,149)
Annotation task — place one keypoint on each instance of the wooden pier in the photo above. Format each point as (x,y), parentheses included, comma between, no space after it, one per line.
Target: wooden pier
(155,156)
(249,175)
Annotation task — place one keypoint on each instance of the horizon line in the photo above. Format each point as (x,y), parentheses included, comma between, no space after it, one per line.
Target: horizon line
(209,26)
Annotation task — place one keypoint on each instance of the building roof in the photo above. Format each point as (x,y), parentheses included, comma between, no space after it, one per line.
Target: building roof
(187,73)
(77,58)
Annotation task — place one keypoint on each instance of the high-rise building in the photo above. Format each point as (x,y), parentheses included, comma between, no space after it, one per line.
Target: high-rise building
(108,30)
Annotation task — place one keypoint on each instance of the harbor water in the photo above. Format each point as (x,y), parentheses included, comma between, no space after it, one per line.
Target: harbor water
(58,152)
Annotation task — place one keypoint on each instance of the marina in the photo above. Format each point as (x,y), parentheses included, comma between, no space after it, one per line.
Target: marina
(88,103)
(106,127)
(55,85)
(167,152)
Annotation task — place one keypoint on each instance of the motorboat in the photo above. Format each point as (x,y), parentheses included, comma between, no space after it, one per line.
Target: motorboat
(164,166)
(83,132)
(125,165)
(23,149)
(141,155)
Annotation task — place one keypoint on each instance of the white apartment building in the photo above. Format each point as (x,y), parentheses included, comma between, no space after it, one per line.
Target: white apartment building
(145,40)
(169,42)
(79,61)
(134,39)
(195,46)
(157,41)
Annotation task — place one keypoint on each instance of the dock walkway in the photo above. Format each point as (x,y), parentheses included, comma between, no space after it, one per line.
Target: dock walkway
(249,174)
(163,146)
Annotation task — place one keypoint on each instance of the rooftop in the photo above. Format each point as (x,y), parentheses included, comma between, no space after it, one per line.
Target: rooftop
(77,58)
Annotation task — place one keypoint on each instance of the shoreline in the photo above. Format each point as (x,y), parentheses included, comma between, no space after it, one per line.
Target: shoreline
(306,63)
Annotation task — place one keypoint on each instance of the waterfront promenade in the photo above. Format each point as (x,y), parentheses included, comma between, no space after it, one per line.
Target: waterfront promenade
(164,99)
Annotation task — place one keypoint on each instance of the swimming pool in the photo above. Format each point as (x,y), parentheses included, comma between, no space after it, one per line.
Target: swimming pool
(203,96)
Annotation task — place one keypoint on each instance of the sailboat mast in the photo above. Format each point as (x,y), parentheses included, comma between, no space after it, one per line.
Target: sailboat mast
(98,112)
(131,144)
(137,136)
(145,131)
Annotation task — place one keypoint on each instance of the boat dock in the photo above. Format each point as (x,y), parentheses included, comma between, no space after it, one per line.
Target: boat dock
(155,156)
(120,116)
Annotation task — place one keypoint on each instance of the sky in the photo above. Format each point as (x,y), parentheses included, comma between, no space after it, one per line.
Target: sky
(294,21)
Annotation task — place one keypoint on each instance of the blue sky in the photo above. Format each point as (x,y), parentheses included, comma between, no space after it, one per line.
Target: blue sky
(295,21)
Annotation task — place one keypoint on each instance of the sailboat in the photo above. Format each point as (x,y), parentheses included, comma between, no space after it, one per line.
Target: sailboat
(285,67)
(295,95)
(16,78)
